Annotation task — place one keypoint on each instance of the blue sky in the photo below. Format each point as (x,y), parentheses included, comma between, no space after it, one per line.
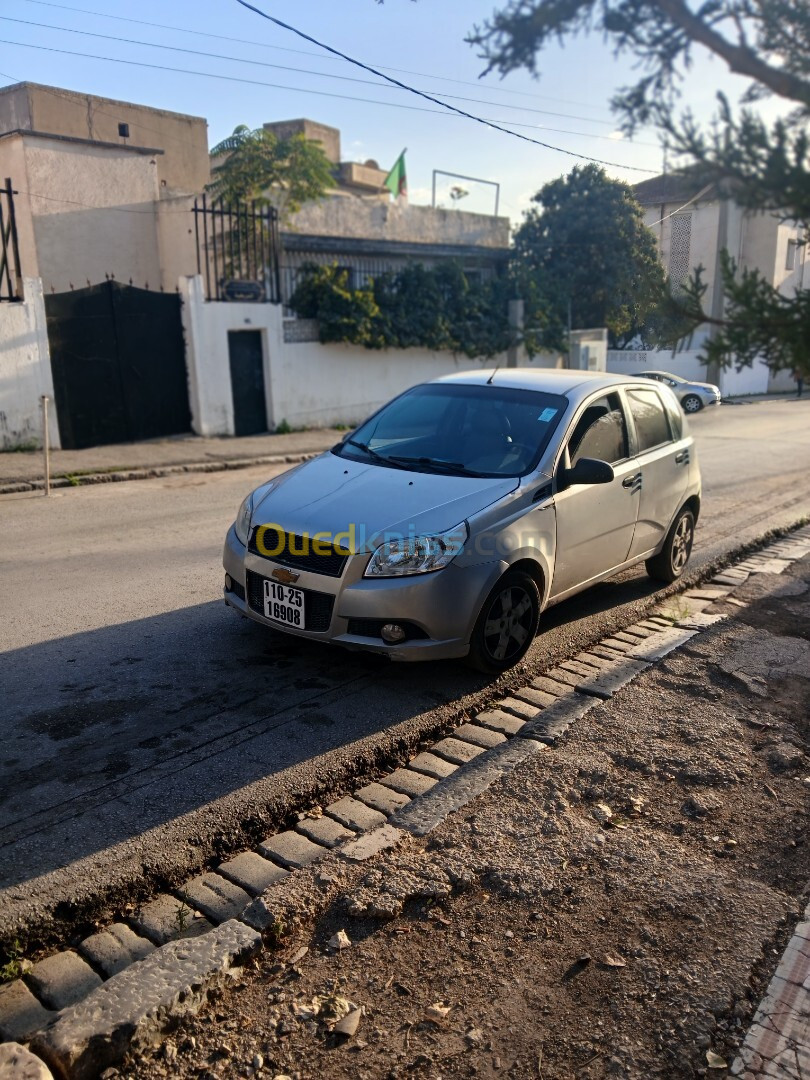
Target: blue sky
(567,107)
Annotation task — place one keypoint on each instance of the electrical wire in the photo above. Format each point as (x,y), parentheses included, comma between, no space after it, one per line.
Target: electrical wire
(694,199)
(495,125)
(112,209)
(285,67)
(308,52)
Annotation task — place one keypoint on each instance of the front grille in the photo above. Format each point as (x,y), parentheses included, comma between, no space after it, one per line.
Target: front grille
(318,605)
(373,628)
(298,552)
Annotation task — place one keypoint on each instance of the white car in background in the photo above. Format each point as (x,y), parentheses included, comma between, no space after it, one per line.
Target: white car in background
(693,396)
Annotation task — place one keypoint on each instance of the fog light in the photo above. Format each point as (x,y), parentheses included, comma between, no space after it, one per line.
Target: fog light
(392,633)
(228,583)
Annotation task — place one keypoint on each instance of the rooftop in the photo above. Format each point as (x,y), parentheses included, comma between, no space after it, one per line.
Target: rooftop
(670,188)
(73,95)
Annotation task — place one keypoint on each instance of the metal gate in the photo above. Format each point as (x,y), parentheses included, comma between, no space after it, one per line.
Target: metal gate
(118,361)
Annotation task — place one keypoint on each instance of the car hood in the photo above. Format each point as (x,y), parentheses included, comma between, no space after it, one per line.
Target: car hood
(710,387)
(337,495)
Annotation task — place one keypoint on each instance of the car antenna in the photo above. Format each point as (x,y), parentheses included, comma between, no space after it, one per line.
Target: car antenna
(494,373)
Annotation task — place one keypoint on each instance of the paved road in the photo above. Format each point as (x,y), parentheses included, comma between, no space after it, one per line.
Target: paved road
(145,727)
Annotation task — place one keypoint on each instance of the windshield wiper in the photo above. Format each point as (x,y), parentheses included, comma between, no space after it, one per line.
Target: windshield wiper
(437,463)
(374,453)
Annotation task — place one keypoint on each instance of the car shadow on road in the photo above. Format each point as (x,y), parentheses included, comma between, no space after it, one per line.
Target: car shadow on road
(117,731)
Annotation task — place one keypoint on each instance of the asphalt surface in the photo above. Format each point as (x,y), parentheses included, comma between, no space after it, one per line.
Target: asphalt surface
(145,727)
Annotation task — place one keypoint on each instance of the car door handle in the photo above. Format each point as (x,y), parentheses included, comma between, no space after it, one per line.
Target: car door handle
(632,481)
(682,458)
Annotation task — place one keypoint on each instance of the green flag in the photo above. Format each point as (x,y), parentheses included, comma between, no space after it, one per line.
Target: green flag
(397,181)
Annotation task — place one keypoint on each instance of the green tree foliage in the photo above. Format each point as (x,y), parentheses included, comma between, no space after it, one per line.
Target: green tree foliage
(436,308)
(763,166)
(257,165)
(343,313)
(585,244)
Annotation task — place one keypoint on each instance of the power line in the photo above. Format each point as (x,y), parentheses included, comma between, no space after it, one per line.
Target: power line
(285,67)
(80,102)
(112,209)
(436,101)
(344,97)
(305,52)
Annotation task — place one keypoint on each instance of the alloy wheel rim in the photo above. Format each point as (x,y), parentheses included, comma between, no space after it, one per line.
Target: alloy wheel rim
(681,544)
(508,623)
(691,404)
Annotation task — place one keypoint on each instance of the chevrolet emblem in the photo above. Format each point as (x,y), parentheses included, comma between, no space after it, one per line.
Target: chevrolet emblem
(286,577)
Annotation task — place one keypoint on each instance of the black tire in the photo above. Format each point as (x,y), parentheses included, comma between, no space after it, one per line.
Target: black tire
(506,624)
(670,562)
(691,403)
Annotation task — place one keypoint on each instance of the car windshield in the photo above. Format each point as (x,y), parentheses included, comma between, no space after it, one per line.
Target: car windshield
(459,429)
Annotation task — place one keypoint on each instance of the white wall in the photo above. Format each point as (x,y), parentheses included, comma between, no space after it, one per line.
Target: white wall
(318,385)
(307,384)
(206,327)
(25,370)
(753,380)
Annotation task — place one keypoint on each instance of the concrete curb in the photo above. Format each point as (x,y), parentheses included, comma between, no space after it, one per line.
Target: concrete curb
(134,1007)
(154,472)
(137,1004)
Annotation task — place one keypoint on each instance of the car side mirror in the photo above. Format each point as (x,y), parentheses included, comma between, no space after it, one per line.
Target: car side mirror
(586,471)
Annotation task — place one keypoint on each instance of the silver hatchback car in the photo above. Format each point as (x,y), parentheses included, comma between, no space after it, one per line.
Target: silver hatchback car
(445,524)
(693,396)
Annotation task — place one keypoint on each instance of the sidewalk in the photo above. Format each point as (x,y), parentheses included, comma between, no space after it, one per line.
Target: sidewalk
(614,906)
(26,467)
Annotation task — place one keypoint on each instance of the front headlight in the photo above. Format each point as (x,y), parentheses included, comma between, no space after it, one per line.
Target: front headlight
(416,554)
(242,524)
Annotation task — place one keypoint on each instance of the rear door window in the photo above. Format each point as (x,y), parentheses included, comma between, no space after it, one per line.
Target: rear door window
(649,418)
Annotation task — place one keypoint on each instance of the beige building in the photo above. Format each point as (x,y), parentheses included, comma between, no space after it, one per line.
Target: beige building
(360,228)
(104,192)
(693,224)
(104,187)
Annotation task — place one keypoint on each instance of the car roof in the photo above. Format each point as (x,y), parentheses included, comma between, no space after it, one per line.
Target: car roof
(573,384)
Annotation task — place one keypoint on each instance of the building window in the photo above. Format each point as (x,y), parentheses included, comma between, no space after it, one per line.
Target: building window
(679,249)
(793,258)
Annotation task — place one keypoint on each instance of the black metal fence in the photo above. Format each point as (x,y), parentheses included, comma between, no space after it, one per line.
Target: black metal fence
(237,250)
(11,284)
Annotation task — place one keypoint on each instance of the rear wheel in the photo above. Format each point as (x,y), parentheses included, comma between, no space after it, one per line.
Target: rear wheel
(506,624)
(692,403)
(670,562)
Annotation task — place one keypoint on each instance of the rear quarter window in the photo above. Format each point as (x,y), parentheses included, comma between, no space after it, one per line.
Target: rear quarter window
(677,421)
(650,419)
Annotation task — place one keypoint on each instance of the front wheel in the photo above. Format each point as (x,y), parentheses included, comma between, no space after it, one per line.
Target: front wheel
(692,403)
(506,624)
(670,562)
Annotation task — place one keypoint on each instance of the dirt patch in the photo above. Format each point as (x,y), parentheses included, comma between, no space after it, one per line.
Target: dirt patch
(613,908)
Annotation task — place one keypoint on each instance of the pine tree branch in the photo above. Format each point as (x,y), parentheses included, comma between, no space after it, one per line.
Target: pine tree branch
(740,59)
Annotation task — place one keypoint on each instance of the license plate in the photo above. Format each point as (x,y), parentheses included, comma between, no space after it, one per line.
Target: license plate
(283,604)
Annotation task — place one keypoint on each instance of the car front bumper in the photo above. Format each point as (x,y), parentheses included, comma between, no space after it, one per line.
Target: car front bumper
(442,606)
